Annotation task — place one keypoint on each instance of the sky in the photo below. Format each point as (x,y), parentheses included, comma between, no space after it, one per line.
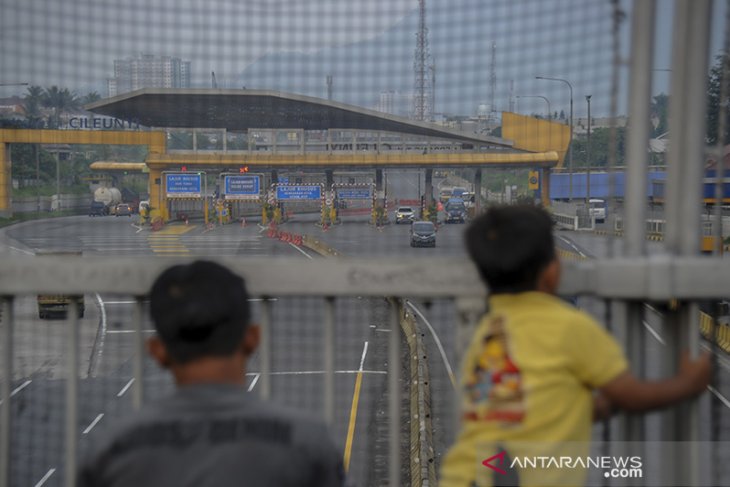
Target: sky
(367,45)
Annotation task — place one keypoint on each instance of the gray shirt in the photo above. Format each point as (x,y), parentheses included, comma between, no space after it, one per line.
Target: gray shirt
(214,435)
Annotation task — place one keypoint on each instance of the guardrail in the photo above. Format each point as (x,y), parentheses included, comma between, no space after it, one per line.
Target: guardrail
(656,279)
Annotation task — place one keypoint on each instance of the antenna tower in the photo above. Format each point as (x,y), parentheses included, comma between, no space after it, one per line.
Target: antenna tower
(422,65)
(493,80)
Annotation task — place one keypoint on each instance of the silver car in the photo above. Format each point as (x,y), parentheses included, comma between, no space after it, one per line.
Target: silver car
(404,214)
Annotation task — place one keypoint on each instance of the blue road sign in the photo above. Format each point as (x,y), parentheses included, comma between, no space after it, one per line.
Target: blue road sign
(183,185)
(298,192)
(354,193)
(242,187)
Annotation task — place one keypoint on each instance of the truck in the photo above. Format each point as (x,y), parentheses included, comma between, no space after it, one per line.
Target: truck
(109,197)
(56,305)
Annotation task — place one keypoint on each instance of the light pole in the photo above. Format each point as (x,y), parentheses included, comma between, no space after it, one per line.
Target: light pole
(538,96)
(570,144)
(588,156)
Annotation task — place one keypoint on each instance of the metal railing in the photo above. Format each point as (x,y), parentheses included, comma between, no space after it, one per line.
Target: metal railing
(626,280)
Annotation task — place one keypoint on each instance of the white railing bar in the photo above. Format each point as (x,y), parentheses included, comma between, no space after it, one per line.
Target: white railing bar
(394,399)
(265,348)
(329,360)
(658,277)
(72,391)
(139,354)
(642,39)
(8,322)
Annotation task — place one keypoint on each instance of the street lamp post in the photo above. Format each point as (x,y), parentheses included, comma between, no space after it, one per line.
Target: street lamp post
(570,144)
(588,156)
(538,96)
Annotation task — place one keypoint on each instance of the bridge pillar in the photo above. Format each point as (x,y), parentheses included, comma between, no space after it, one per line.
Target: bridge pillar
(158,199)
(478,191)
(545,187)
(6,182)
(329,175)
(429,187)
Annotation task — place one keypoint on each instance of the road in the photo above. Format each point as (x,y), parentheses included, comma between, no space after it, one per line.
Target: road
(106,346)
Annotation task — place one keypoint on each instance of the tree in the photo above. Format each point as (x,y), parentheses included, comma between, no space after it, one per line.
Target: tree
(32,102)
(562,115)
(713,100)
(60,100)
(89,98)
(659,109)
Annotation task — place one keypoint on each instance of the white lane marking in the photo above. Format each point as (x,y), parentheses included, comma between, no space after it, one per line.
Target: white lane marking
(120,302)
(302,251)
(102,309)
(253,382)
(371,326)
(317,372)
(362,359)
(722,398)
(112,332)
(93,423)
(572,245)
(139,229)
(452,377)
(27,252)
(383,330)
(653,332)
(21,387)
(126,387)
(262,299)
(45,477)
(18,389)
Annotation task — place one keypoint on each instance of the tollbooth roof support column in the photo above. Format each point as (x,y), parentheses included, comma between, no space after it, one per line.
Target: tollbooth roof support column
(379,193)
(429,187)
(478,191)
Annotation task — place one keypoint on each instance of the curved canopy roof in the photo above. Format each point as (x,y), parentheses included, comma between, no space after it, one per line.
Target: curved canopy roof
(260,109)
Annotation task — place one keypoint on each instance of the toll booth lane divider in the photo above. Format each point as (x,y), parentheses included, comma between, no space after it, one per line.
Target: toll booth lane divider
(422,466)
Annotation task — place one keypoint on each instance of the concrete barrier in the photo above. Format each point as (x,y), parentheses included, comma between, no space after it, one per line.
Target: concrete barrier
(422,467)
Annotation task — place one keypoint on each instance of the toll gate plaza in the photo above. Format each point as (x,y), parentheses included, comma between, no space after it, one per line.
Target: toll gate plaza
(251,131)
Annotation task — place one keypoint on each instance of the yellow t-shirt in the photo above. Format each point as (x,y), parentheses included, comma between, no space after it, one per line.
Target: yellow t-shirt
(526,387)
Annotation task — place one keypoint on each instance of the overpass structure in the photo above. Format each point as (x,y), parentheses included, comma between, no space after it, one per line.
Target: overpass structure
(267,131)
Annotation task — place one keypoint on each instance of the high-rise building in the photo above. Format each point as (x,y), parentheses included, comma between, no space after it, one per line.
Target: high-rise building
(148,71)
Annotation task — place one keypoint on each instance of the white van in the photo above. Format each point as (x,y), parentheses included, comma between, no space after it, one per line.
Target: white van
(597,209)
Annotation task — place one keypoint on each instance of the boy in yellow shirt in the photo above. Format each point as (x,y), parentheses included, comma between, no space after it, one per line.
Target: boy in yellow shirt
(538,371)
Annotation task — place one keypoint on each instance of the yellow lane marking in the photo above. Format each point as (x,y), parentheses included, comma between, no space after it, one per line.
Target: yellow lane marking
(353,410)
(175,230)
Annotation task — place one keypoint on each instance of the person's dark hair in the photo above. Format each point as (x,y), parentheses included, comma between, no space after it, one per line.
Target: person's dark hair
(511,246)
(199,310)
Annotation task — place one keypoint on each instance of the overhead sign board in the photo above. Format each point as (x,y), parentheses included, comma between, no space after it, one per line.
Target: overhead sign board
(183,185)
(298,192)
(354,193)
(242,187)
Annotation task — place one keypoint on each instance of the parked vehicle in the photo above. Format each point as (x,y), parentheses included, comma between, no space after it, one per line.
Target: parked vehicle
(423,234)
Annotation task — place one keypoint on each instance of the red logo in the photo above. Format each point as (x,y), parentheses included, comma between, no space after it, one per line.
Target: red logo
(500,460)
